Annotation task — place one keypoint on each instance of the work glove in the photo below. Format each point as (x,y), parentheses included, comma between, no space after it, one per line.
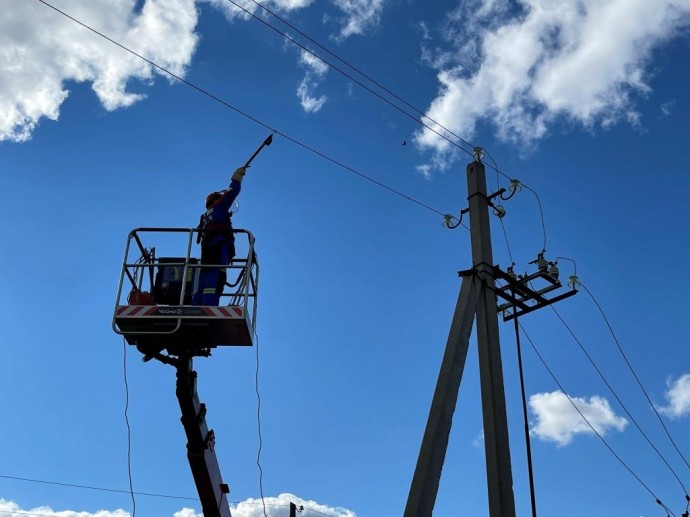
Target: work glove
(239,174)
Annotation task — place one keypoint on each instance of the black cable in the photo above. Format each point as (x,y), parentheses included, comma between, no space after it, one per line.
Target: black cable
(613,392)
(100,489)
(258,421)
(337,69)
(632,370)
(620,460)
(528,444)
(505,235)
(369,78)
(129,430)
(244,114)
(541,213)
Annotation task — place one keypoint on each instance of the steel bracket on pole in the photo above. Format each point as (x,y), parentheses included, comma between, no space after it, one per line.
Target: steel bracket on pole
(518,293)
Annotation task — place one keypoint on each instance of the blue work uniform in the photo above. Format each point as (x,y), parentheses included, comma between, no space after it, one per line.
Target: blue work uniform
(217,247)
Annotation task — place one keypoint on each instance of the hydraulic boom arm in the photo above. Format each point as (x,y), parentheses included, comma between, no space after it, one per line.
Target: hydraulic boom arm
(200,444)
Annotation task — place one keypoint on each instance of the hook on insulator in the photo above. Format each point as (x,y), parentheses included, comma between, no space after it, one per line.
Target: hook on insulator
(515,186)
(499,211)
(478,154)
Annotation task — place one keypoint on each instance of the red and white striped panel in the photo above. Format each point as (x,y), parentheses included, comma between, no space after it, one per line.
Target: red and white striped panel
(136,310)
(224,312)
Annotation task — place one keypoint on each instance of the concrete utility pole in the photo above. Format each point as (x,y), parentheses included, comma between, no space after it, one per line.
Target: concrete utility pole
(477,297)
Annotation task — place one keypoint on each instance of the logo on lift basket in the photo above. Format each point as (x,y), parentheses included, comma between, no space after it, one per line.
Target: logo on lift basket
(178,312)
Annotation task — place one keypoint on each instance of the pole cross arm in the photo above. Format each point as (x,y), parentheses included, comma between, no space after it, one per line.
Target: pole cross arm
(518,293)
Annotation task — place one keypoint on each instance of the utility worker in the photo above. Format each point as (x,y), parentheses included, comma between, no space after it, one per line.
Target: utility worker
(217,241)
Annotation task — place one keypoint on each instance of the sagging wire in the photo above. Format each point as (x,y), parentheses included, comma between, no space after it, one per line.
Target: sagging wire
(353,79)
(244,114)
(637,379)
(446,223)
(449,218)
(258,422)
(618,399)
(422,113)
(129,429)
(620,460)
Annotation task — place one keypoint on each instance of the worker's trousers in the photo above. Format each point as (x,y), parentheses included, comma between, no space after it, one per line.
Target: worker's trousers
(212,279)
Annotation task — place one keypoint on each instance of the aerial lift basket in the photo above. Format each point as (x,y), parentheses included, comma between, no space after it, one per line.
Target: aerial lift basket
(154,310)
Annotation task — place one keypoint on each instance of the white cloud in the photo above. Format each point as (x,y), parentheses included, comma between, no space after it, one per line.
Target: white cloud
(316,69)
(558,421)
(424,170)
(275,507)
(666,108)
(247,6)
(479,440)
(582,61)
(11,509)
(41,51)
(360,16)
(678,397)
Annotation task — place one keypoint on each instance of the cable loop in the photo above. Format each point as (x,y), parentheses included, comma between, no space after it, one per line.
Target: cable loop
(515,187)
(447,221)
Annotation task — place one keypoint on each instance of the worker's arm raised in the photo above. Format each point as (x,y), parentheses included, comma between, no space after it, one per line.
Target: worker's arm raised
(239,175)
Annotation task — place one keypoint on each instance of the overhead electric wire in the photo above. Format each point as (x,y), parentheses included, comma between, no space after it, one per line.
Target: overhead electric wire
(147,494)
(356,81)
(243,113)
(613,392)
(620,460)
(384,88)
(97,488)
(541,212)
(632,370)
(363,74)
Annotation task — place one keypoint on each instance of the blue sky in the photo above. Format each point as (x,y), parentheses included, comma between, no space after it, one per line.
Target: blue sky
(585,102)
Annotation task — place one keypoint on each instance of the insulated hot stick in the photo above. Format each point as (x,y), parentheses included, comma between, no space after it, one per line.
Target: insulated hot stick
(266,143)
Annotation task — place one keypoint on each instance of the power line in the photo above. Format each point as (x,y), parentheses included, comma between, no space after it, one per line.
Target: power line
(632,370)
(97,488)
(146,494)
(384,88)
(243,113)
(620,460)
(613,392)
(352,67)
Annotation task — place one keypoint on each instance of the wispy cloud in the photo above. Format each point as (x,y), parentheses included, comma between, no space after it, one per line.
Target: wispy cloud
(479,440)
(558,421)
(360,16)
(527,68)
(36,64)
(315,71)
(678,397)
(666,108)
